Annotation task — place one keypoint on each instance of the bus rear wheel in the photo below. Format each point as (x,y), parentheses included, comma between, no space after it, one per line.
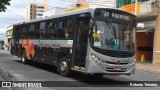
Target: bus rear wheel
(23,57)
(64,67)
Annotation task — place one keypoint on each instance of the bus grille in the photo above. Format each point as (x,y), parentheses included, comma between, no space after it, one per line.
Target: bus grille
(119,54)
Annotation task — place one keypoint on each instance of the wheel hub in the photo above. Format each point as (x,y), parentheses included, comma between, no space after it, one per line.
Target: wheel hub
(63,65)
(23,59)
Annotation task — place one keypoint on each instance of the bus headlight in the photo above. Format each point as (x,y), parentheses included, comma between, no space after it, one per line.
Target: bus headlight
(93,56)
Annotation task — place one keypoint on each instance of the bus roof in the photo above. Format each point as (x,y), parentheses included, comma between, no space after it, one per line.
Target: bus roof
(59,15)
(91,10)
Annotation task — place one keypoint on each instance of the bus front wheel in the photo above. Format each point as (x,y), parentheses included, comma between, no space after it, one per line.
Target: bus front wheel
(64,67)
(23,57)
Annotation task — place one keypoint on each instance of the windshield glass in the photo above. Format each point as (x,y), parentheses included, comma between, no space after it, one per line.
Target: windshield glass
(112,36)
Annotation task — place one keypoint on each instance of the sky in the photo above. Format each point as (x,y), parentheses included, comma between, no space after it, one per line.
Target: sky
(16,12)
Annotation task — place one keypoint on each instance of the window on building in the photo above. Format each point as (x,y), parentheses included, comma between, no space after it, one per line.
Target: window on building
(40,7)
(40,10)
(39,14)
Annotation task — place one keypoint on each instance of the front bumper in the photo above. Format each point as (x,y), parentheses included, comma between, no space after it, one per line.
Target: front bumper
(94,67)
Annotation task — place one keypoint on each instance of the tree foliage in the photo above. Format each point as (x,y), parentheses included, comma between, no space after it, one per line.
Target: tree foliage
(3,4)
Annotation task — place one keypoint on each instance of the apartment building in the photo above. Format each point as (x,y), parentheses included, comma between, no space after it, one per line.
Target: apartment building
(7,41)
(31,11)
(35,11)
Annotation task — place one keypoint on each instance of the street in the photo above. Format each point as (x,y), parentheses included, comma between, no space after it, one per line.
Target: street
(12,69)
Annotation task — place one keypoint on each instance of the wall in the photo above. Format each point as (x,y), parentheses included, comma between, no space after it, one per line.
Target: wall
(145,41)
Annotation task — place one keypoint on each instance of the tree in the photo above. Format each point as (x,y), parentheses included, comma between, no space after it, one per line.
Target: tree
(3,4)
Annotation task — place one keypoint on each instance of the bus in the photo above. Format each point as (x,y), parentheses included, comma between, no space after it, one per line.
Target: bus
(97,41)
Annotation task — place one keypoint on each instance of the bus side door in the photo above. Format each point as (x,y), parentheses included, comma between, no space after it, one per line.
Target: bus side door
(80,42)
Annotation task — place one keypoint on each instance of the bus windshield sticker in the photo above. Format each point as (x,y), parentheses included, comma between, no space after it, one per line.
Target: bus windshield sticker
(98,44)
(96,35)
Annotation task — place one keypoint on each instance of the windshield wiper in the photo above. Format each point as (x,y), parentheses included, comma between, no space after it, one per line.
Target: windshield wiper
(112,27)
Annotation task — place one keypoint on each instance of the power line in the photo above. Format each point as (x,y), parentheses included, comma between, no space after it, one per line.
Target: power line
(16,14)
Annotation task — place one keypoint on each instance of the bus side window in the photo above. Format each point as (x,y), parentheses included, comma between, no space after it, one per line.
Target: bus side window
(42,30)
(37,30)
(68,28)
(22,32)
(27,31)
(31,31)
(18,32)
(60,32)
(49,27)
(54,29)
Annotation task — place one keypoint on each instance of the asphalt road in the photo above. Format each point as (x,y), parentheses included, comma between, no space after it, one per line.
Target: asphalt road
(12,70)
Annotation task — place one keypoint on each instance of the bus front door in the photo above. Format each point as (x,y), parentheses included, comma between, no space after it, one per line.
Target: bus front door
(81,42)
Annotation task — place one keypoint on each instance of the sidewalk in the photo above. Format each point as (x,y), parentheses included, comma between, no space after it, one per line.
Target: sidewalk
(148,67)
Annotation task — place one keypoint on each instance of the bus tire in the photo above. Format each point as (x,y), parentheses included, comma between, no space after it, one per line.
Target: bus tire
(98,75)
(64,67)
(23,57)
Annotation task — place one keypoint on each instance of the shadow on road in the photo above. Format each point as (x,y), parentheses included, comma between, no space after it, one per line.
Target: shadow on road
(89,79)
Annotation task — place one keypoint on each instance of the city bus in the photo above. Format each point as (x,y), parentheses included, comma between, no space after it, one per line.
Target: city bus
(97,41)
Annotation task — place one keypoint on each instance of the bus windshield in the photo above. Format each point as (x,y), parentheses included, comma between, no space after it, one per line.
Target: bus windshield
(112,36)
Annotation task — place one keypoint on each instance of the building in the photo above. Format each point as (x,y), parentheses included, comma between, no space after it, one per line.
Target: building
(31,11)
(98,3)
(148,28)
(102,3)
(7,41)
(120,3)
(53,11)
(82,4)
(40,9)
(35,11)
(45,4)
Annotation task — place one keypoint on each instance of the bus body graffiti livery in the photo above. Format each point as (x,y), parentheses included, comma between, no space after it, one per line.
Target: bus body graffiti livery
(96,41)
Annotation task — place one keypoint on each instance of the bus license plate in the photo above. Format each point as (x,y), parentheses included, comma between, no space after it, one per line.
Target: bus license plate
(117,68)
